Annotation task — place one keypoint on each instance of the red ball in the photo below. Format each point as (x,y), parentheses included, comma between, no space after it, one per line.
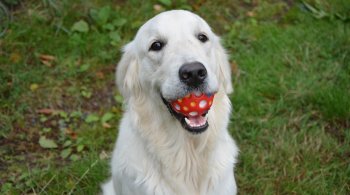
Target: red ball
(193,105)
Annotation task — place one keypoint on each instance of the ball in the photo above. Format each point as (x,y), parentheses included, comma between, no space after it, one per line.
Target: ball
(193,104)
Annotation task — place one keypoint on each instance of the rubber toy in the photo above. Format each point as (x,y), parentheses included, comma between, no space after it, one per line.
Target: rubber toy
(194,104)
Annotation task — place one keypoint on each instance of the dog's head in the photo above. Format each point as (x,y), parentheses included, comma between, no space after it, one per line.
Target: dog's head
(175,54)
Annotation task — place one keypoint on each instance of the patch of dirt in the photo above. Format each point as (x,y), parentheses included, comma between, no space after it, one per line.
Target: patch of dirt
(21,147)
(101,98)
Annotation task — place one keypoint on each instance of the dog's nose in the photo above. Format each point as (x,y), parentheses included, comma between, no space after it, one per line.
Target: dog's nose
(193,74)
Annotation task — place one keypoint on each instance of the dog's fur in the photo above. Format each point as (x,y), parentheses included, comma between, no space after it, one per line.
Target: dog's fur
(154,154)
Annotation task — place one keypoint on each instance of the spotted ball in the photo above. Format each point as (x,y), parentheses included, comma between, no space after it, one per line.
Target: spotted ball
(193,104)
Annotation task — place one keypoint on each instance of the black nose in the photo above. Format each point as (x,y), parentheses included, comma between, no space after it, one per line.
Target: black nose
(193,74)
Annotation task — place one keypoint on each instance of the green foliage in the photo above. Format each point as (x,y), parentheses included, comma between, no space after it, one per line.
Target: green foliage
(165,2)
(110,22)
(12,2)
(5,19)
(291,105)
(339,9)
(80,26)
(333,102)
(92,118)
(47,143)
(106,117)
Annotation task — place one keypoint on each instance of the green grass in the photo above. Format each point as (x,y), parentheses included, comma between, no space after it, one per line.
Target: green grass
(292,106)
(291,117)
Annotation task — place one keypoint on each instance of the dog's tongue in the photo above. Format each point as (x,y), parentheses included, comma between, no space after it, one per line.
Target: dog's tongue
(193,106)
(196,121)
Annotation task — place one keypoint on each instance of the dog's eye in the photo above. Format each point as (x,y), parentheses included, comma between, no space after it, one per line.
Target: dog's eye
(202,37)
(156,46)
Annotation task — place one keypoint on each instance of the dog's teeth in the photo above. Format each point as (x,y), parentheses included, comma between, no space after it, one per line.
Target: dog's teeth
(187,121)
(199,123)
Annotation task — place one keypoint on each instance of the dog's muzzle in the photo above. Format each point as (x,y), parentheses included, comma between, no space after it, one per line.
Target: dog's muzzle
(191,111)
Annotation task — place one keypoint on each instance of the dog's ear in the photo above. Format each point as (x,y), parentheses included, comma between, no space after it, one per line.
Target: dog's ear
(224,70)
(127,73)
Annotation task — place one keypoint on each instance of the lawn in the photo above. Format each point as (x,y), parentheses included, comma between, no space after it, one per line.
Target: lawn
(59,107)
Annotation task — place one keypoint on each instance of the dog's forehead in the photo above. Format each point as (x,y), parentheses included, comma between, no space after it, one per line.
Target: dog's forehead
(174,21)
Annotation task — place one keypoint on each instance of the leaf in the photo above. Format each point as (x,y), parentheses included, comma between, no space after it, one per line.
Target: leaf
(94,14)
(317,13)
(79,140)
(119,99)
(309,7)
(72,134)
(234,68)
(76,114)
(158,8)
(104,14)
(15,57)
(47,57)
(103,155)
(80,148)
(47,143)
(74,157)
(46,111)
(119,22)
(115,36)
(80,26)
(106,125)
(91,118)
(43,119)
(46,129)
(47,63)
(34,87)
(66,152)
(86,94)
(6,187)
(100,75)
(63,114)
(165,2)
(67,143)
(250,14)
(108,27)
(84,67)
(106,117)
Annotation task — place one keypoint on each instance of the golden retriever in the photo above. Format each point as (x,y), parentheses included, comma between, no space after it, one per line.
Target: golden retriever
(159,150)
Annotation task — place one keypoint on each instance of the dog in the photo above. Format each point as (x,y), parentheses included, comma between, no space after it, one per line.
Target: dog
(159,150)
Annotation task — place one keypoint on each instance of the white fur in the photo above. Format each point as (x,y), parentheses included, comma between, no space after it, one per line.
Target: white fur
(154,154)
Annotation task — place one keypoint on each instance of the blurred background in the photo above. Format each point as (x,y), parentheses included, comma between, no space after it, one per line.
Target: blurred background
(59,107)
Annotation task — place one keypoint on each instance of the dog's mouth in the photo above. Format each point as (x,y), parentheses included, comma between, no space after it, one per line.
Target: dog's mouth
(191,111)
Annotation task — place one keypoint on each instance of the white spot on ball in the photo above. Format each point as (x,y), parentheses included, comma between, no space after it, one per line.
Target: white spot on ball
(177,107)
(193,113)
(202,103)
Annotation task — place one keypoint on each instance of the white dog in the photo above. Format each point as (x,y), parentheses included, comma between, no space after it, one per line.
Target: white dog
(160,151)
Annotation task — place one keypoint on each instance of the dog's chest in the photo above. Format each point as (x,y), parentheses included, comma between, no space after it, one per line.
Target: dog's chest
(187,171)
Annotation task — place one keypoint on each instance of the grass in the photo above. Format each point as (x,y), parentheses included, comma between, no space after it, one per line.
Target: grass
(291,116)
